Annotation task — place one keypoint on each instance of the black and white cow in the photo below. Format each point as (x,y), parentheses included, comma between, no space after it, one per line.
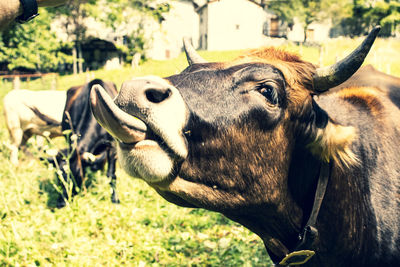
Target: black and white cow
(90,146)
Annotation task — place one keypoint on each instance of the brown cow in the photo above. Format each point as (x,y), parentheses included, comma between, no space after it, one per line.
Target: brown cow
(261,140)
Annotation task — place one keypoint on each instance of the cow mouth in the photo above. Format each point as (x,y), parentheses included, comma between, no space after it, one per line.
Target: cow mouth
(150,139)
(129,130)
(147,147)
(125,128)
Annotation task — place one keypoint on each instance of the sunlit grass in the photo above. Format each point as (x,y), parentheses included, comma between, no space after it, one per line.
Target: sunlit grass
(143,230)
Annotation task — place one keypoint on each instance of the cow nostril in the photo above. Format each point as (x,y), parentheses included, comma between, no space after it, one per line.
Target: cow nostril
(157,96)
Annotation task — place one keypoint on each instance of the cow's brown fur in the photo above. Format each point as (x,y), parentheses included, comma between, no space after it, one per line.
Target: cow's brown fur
(331,142)
(298,73)
(365,97)
(256,157)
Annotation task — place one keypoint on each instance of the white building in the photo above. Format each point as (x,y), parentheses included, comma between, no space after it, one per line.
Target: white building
(232,24)
(166,38)
(316,32)
(213,25)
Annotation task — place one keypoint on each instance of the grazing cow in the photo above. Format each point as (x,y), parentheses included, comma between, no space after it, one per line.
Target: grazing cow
(90,146)
(263,141)
(30,113)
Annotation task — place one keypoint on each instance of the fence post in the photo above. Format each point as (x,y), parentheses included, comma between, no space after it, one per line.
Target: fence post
(53,85)
(321,55)
(16,83)
(87,76)
(135,60)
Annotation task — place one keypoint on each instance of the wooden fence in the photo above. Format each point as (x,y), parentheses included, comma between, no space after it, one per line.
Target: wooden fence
(16,79)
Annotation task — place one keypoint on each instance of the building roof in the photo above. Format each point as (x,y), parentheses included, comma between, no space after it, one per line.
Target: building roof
(200,4)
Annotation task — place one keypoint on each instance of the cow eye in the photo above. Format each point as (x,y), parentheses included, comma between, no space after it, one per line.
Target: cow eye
(269,92)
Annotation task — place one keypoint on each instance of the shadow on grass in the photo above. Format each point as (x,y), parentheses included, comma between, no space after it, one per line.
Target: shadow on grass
(53,196)
(53,188)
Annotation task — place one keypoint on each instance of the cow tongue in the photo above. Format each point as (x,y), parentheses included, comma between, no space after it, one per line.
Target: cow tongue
(121,125)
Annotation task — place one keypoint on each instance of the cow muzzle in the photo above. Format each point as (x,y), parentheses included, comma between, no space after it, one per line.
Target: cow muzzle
(122,126)
(147,119)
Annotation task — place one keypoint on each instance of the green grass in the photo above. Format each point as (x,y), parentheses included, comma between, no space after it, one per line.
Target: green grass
(144,230)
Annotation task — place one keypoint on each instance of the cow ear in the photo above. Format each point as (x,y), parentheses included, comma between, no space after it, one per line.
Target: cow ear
(330,140)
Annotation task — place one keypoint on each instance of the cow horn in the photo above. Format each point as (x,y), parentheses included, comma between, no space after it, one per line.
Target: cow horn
(328,77)
(191,55)
(119,124)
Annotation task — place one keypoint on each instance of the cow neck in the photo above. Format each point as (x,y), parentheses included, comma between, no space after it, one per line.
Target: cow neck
(301,252)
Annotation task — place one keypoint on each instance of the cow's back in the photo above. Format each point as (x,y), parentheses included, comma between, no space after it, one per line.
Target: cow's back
(370,102)
(22,107)
(370,77)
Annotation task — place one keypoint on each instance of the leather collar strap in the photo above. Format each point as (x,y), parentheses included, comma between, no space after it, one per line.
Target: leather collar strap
(30,10)
(300,253)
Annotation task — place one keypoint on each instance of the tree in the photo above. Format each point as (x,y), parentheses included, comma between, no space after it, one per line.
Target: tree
(351,23)
(386,13)
(132,22)
(308,11)
(366,14)
(74,13)
(124,17)
(305,11)
(33,46)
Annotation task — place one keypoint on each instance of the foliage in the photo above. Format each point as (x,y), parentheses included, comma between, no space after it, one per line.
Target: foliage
(113,13)
(135,43)
(365,15)
(349,17)
(385,13)
(136,14)
(75,12)
(125,18)
(33,46)
(309,11)
(289,10)
(353,23)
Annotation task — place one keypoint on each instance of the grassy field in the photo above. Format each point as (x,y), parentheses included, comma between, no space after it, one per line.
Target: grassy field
(144,230)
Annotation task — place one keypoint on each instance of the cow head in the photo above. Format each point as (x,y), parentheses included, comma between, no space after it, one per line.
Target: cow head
(223,136)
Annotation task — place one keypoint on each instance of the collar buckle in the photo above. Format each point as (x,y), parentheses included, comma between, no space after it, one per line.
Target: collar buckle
(309,232)
(297,257)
